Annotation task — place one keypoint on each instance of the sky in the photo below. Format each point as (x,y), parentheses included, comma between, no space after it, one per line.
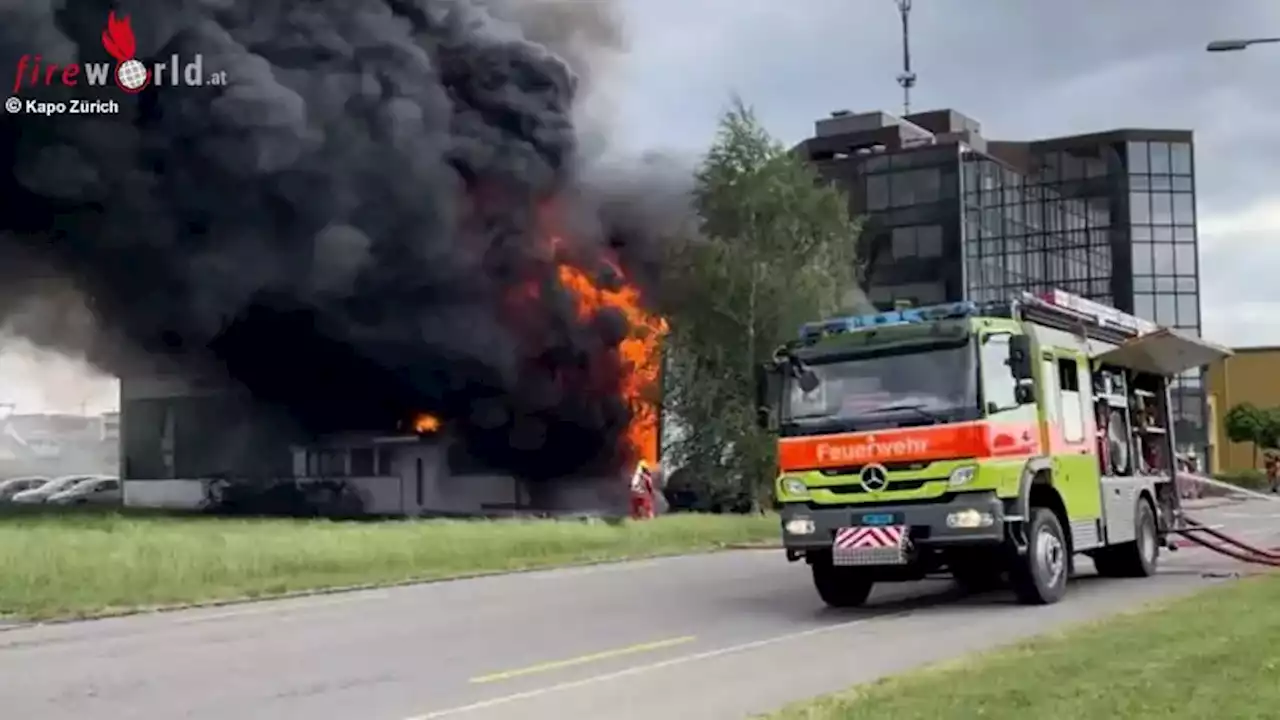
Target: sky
(1025,69)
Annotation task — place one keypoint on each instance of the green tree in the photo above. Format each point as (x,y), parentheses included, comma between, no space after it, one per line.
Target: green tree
(1268,437)
(775,247)
(1247,423)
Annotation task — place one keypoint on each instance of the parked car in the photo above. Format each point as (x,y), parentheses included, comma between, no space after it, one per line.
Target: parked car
(95,491)
(53,487)
(13,486)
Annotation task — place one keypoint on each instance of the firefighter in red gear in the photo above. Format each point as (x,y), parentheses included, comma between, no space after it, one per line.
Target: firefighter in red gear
(642,490)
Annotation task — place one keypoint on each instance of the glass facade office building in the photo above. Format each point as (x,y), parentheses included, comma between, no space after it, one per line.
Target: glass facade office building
(1165,257)
(1142,184)
(1109,216)
(1162,224)
(947,223)
(909,201)
(1022,234)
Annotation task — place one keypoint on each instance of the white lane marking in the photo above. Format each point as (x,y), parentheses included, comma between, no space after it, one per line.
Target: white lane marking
(648,667)
(610,654)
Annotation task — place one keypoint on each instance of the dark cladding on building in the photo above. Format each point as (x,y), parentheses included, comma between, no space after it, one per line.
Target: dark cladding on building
(951,215)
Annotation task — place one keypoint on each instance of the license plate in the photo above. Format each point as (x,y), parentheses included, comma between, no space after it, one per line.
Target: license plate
(881,519)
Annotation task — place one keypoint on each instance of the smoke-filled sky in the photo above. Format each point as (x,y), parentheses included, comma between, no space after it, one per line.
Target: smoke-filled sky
(1024,70)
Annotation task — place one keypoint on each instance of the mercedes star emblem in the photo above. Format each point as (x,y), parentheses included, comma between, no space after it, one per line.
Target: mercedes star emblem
(874,477)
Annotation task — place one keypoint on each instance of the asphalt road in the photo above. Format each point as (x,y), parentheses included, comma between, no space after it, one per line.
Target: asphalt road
(708,637)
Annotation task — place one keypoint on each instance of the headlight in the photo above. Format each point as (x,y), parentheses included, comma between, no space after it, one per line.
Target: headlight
(961,476)
(969,520)
(800,526)
(794,487)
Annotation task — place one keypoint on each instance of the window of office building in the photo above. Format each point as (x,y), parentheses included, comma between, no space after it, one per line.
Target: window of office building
(904,188)
(1140,208)
(917,241)
(1023,234)
(1137,157)
(1166,284)
(1166,291)
(1180,159)
(1162,220)
(915,187)
(877,192)
(1183,208)
(1160,159)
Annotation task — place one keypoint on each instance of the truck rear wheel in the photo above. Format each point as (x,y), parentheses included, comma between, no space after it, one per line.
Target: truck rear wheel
(840,587)
(1133,559)
(1040,576)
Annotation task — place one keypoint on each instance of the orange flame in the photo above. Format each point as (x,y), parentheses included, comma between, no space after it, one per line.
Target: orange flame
(640,351)
(425,424)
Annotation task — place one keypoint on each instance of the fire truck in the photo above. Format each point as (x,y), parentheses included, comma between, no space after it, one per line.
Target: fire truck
(991,442)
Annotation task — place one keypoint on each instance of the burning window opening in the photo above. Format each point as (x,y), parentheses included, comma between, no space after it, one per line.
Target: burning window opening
(426,424)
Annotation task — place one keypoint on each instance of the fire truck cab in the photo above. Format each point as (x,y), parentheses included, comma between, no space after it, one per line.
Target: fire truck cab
(991,442)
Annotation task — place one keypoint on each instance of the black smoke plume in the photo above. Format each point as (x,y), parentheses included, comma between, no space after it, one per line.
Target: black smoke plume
(350,229)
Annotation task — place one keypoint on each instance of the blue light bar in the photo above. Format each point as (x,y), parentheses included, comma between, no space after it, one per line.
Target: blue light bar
(854,323)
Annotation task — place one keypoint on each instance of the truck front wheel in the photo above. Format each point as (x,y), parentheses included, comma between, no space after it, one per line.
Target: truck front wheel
(1040,576)
(840,587)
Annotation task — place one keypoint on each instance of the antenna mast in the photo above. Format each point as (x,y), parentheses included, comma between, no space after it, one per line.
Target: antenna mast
(907,79)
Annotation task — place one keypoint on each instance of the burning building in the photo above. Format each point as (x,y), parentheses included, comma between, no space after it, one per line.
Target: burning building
(379,218)
(419,466)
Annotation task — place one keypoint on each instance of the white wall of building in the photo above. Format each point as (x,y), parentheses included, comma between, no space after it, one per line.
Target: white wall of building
(411,477)
(165,494)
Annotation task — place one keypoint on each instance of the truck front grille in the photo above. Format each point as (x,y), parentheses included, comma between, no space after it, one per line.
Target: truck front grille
(906,466)
(856,488)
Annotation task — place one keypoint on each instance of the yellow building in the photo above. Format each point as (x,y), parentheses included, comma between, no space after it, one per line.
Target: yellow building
(1252,375)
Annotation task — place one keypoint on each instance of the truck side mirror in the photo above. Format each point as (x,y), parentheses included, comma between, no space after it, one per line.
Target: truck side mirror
(1020,358)
(1025,393)
(809,380)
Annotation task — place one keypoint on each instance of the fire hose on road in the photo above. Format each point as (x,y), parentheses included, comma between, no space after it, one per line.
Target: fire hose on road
(1232,547)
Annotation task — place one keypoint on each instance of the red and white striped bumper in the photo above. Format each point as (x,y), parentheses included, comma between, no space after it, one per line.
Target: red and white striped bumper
(871,545)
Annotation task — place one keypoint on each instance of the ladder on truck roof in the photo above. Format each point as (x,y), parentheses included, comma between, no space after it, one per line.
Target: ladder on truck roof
(1065,311)
(1140,344)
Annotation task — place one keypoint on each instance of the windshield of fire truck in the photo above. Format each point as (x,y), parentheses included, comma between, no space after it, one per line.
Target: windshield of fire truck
(909,386)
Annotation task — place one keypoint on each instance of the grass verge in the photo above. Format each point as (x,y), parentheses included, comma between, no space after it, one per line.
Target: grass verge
(1255,480)
(81,564)
(1212,655)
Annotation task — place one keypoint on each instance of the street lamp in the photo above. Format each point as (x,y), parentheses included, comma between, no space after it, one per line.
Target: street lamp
(1237,45)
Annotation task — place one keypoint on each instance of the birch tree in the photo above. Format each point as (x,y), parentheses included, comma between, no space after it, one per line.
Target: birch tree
(776,247)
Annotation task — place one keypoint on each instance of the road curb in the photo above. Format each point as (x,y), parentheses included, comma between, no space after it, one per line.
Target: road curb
(18,624)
